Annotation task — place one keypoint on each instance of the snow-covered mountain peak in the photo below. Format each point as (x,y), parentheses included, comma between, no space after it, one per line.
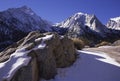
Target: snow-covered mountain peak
(81,16)
(116,19)
(82,19)
(23,9)
(80,23)
(25,15)
(27,10)
(114,23)
(80,13)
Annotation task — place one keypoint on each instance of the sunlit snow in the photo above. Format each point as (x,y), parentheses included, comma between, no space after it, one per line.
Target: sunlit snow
(116,19)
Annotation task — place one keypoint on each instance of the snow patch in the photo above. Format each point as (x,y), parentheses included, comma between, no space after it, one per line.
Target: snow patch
(42,44)
(80,13)
(17,60)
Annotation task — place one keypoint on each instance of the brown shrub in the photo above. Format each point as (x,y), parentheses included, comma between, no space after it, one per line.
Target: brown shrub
(78,43)
(103,43)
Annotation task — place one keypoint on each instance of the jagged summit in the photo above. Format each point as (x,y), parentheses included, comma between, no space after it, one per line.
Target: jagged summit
(81,16)
(24,16)
(27,10)
(21,8)
(82,13)
(87,26)
(116,19)
(82,20)
(25,7)
(114,23)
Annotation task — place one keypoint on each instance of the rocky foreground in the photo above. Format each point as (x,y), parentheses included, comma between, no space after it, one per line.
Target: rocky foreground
(36,56)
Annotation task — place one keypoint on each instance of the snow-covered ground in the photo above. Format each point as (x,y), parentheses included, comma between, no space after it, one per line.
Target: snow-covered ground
(90,66)
(16,61)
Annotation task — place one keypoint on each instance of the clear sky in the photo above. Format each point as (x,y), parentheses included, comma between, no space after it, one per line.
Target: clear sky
(59,10)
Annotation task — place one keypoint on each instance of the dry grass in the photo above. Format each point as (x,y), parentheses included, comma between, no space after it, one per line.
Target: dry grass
(79,44)
(103,43)
(112,51)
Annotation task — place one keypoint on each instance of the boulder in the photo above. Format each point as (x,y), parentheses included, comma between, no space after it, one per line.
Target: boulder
(47,52)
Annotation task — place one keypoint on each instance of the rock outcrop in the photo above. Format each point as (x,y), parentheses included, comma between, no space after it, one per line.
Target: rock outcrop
(36,56)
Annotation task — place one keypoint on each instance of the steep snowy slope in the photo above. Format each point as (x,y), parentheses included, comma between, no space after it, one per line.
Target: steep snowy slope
(87,26)
(114,23)
(83,19)
(15,23)
(84,25)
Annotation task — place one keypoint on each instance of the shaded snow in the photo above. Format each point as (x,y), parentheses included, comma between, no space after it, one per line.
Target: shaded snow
(41,46)
(16,61)
(90,66)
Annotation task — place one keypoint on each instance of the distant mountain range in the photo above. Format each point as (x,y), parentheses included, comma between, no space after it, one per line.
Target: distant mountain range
(89,27)
(16,23)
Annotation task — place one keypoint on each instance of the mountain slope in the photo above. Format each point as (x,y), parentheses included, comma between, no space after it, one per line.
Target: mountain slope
(15,23)
(114,23)
(84,20)
(87,26)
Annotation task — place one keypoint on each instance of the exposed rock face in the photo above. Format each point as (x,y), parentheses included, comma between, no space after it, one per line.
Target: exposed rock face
(47,52)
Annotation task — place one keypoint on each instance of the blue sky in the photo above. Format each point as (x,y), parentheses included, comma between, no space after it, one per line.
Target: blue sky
(59,10)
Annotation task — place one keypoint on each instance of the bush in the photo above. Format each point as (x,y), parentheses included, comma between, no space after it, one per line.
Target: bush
(78,43)
(103,43)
